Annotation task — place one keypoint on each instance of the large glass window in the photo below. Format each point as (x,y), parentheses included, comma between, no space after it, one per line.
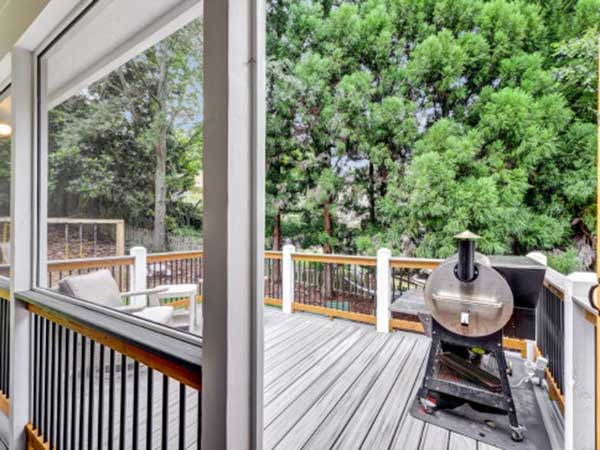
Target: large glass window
(5,168)
(122,143)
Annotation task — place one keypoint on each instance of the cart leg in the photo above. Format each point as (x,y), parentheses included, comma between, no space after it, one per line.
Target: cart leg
(433,351)
(517,431)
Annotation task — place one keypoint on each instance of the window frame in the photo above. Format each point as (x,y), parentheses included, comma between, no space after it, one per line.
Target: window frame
(81,15)
(5,92)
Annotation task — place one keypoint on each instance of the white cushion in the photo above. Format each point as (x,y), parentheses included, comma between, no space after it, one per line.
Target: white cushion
(97,287)
(160,314)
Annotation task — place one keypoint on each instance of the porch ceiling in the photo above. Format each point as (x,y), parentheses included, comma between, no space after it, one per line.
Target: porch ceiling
(108,39)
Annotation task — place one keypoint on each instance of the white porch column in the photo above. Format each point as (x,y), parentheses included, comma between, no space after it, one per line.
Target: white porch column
(21,261)
(579,370)
(383,290)
(234,61)
(287,278)
(139,275)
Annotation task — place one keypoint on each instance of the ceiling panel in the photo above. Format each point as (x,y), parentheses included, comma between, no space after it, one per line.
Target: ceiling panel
(113,34)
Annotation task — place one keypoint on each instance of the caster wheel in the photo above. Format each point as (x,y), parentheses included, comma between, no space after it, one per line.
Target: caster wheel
(517,436)
(427,405)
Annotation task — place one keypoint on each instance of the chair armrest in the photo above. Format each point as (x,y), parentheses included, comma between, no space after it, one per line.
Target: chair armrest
(144,292)
(131,308)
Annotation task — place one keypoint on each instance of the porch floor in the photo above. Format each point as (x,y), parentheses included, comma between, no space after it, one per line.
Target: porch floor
(328,385)
(339,384)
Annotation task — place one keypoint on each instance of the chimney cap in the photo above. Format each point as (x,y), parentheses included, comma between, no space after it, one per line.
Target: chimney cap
(467,235)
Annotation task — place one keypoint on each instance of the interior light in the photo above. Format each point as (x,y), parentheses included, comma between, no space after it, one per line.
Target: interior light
(5,130)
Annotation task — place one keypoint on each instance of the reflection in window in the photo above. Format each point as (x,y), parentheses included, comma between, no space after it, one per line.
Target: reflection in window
(5,168)
(124,184)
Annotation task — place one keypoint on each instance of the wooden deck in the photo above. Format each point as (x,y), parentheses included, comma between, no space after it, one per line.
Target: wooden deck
(341,385)
(329,384)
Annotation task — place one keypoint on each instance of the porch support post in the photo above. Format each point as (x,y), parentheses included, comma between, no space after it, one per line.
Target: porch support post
(579,369)
(22,232)
(383,290)
(287,279)
(139,275)
(233,224)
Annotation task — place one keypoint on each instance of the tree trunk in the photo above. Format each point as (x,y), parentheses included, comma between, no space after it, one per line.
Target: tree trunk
(327,287)
(159,238)
(371,193)
(277,247)
(277,232)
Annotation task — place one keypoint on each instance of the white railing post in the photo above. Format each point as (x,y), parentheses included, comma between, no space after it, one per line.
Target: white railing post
(287,278)
(383,290)
(579,363)
(138,276)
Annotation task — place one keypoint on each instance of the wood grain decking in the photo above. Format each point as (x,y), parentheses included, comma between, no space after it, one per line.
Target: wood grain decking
(329,384)
(341,385)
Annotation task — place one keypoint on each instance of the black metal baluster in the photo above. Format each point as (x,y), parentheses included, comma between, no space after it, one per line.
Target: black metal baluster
(91,397)
(74,392)
(149,408)
(136,404)
(95,239)
(181,416)
(7,344)
(59,396)
(165,413)
(111,400)
(66,375)
(45,429)
(82,395)
(3,347)
(354,283)
(53,377)
(199,423)
(36,368)
(123,405)
(102,350)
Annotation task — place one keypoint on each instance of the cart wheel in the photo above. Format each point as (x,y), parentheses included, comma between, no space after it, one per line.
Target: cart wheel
(509,369)
(517,435)
(427,405)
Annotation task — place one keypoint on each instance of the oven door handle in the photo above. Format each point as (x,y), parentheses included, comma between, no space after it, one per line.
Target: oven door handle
(443,297)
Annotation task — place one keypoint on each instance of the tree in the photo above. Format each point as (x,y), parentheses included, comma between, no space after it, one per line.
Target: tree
(412,120)
(137,132)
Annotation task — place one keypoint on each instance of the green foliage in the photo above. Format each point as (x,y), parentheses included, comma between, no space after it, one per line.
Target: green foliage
(409,121)
(565,262)
(103,141)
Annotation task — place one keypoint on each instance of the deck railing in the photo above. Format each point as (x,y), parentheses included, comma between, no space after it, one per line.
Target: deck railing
(116,384)
(550,337)
(273,279)
(120,266)
(339,286)
(336,285)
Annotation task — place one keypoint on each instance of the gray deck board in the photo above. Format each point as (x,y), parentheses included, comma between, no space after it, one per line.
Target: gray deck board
(378,390)
(279,378)
(346,386)
(295,425)
(434,438)
(459,442)
(396,404)
(328,384)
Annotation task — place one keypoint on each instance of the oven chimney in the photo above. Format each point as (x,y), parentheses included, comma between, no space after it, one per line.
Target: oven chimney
(465,269)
